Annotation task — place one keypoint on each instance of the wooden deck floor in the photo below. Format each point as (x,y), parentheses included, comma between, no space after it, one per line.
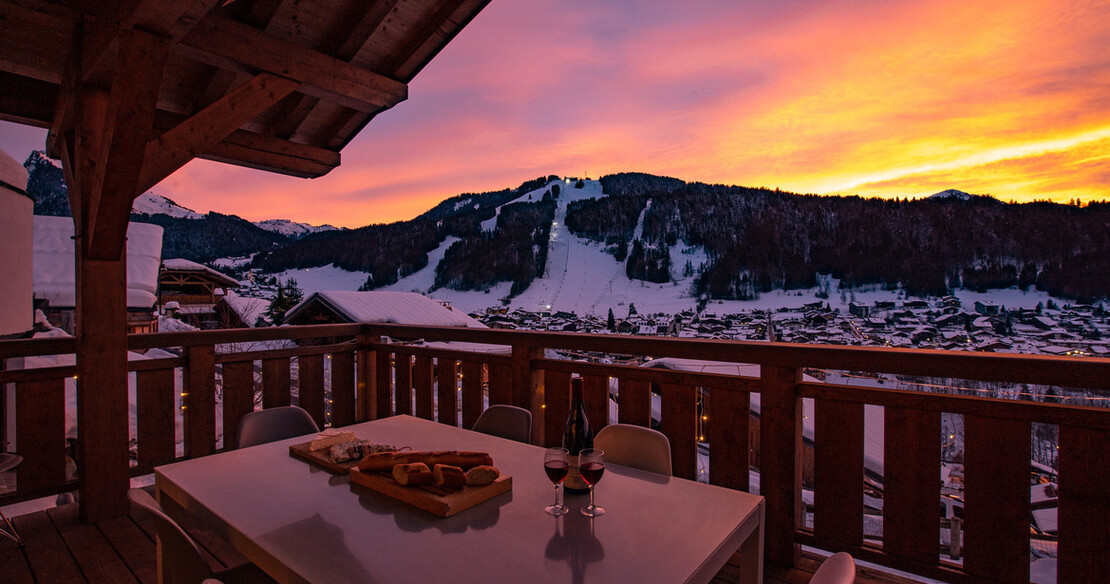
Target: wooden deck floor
(58,549)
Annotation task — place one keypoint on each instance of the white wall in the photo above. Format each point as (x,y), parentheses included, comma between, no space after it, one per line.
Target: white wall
(16,313)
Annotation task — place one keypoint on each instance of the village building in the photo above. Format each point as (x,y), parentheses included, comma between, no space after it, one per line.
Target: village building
(16,207)
(346,306)
(191,292)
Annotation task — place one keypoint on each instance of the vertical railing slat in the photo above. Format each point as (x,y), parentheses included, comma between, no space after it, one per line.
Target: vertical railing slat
(634,402)
(679,417)
(1084,505)
(471,392)
(727,421)
(154,413)
(343,389)
(500,385)
(200,401)
(595,394)
(422,385)
(238,389)
(911,484)
(310,387)
(838,471)
(996,498)
(402,395)
(447,391)
(40,432)
(275,383)
(780,479)
(384,382)
(556,406)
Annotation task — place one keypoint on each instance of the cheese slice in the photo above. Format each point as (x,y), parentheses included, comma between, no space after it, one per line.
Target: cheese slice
(330,437)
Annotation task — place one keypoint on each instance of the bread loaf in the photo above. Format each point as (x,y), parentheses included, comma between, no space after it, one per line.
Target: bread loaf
(480,476)
(461,459)
(449,477)
(330,437)
(412,474)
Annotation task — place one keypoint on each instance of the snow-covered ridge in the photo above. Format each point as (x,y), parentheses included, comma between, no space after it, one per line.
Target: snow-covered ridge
(292,228)
(152,204)
(952,194)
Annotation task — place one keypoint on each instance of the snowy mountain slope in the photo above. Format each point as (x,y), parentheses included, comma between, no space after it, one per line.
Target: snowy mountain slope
(951,194)
(292,229)
(152,204)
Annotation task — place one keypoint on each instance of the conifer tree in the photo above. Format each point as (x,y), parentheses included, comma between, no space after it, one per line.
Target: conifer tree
(611,322)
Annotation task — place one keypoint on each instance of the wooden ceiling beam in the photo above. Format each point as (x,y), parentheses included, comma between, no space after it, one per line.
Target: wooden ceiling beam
(210,126)
(26,101)
(32,39)
(225,43)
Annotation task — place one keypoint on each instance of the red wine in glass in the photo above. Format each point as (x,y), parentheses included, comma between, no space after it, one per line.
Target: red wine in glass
(556,470)
(592,471)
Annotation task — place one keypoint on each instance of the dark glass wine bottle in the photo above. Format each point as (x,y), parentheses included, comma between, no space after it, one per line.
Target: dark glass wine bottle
(576,437)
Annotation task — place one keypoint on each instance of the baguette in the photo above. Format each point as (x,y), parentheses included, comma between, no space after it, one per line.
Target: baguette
(481,476)
(413,474)
(450,477)
(462,459)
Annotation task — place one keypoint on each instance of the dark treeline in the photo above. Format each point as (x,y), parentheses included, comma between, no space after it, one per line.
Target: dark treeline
(515,251)
(759,239)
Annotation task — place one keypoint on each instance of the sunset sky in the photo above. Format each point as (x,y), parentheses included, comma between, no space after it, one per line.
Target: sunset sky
(869,97)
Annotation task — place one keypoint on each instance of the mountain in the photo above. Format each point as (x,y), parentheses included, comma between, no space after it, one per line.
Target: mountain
(152,204)
(292,229)
(958,195)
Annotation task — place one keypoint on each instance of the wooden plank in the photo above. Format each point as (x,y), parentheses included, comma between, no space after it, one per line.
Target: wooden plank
(679,422)
(383,396)
(238,390)
(366,381)
(435,500)
(310,387)
(402,394)
(228,44)
(1084,505)
(996,499)
(780,478)
(556,405)
(447,379)
(342,389)
(46,551)
(275,383)
(471,393)
(208,127)
(500,385)
(911,484)
(156,417)
(595,394)
(93,554)
(134,547)
(726,420)
(422,385)
(838,471)
(634,401)
(13,564)
(199,399)
(40,433)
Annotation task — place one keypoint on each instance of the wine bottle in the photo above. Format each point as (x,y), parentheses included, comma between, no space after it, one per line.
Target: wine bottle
(576,437)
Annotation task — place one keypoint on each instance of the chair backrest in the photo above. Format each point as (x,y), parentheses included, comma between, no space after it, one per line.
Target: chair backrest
(274,424)
(635,446)
(182,562)
(507,422)
(840,568)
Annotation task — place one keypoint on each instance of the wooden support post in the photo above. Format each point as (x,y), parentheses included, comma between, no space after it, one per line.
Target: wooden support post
(366,380)
(528,387)
(780,480)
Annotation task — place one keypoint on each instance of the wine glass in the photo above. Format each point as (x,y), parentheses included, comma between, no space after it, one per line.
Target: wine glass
(555,464)
(591,463)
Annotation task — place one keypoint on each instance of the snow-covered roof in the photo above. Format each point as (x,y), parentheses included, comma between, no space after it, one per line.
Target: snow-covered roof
(53,262)
(388,307)
(12,174)
(248,308)
(184,265)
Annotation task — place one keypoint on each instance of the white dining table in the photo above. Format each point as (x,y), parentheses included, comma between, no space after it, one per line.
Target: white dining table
(302,524)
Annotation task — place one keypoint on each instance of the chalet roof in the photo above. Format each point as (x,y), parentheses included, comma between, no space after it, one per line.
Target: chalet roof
(53,256)
(334,64)
(386,307)
(186,266)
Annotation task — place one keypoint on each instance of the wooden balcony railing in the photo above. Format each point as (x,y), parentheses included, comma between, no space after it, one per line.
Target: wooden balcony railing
(346,373)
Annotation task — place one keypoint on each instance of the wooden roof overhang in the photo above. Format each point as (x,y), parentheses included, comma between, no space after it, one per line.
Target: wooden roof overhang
(133,90)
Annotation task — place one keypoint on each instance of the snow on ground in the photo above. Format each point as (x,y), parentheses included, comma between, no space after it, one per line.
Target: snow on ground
(330,277)
(152,204)
(423,280)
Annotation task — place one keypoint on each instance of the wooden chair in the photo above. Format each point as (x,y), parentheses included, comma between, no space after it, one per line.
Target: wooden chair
(840,568)
(273,424)
(9,461)
(180,559)
(635,446)
(507,422)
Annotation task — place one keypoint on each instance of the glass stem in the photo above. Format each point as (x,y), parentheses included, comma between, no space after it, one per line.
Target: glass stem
(556,494)
(592,506)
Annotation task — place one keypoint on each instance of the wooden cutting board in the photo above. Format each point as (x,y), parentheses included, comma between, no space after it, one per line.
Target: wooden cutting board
(320,458)
(435,500)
